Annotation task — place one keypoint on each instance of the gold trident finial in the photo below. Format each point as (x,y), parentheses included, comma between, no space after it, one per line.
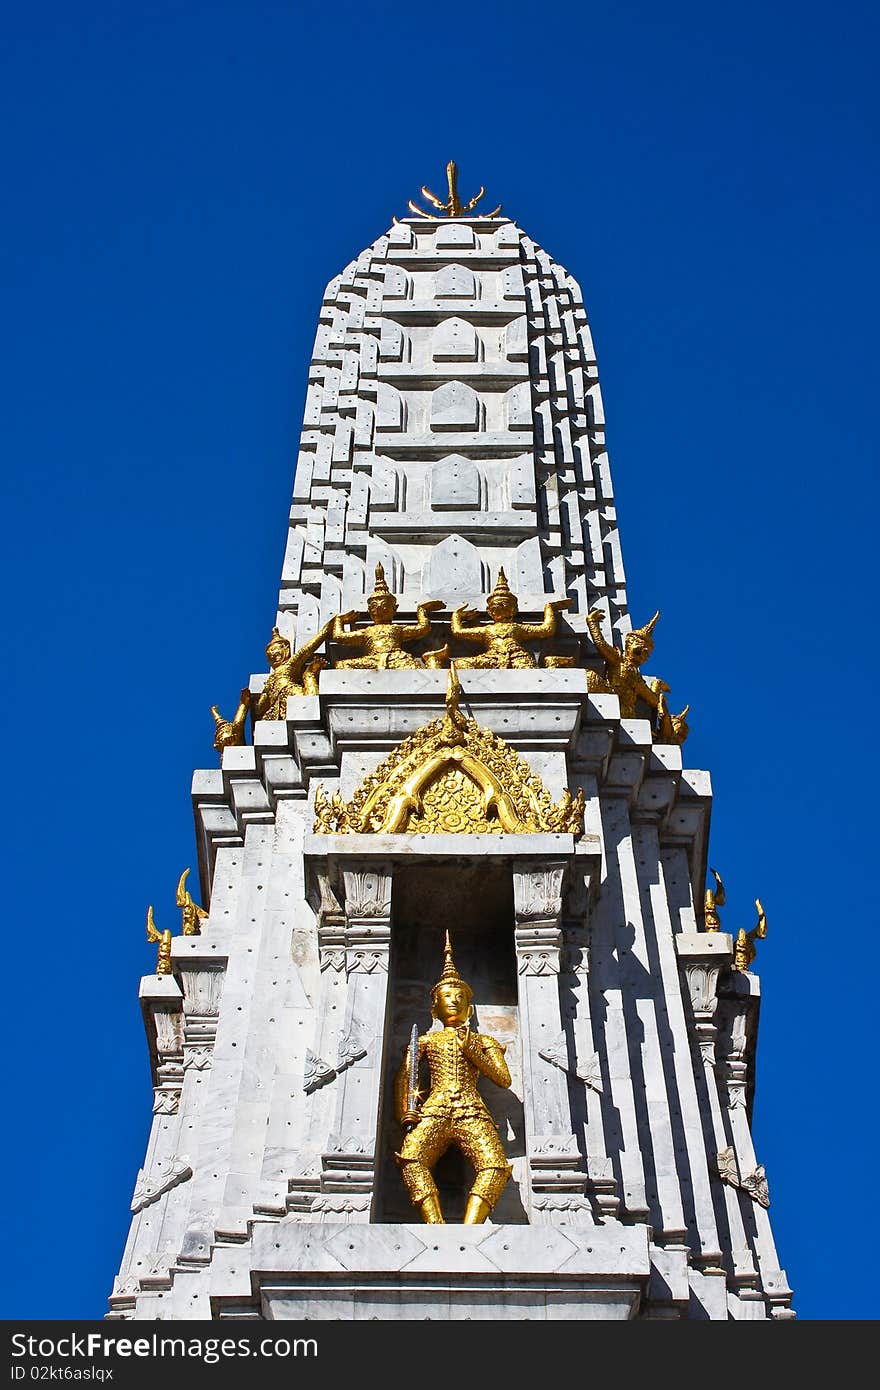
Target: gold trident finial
(453,207)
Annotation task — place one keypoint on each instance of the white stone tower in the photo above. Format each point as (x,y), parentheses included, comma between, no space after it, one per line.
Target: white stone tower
(453,426)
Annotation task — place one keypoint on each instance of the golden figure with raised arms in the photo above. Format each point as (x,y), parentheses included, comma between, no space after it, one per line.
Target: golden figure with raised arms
(453,1112)
(503,637)
(293,673)
(385,640)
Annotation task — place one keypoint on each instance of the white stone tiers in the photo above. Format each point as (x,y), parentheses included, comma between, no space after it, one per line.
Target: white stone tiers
(453,425)
(651,1037)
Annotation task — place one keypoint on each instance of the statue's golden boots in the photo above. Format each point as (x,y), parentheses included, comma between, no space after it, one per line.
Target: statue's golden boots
(453,1112)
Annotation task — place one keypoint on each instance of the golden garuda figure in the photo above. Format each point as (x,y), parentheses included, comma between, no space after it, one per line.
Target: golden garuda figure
(453,1112)
(385,641)
(229,733)
(623,678)
(503,638)
(293,673)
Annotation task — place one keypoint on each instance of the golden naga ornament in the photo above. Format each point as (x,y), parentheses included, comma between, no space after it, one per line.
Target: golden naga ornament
(384,641)
(502,639)
(453,1112)
(714,899)
(229,733)
(191,917)
(453,207)
(163,939)
(744,951)
(293,673)
(450,777)
(623,678)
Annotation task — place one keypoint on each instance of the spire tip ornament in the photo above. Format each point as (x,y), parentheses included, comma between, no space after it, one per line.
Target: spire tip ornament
(453,207)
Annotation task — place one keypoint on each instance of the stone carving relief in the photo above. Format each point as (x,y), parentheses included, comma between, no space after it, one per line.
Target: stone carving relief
(753,1184)
(147,1190)
(589,1070)
(317,1072)
(351,1050)
(201,991)
(367,894)
(537,894)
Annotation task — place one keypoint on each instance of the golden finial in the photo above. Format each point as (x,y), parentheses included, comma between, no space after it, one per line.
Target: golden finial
(190,912)
(163,938)
(744,949)
(453,207)
(714,899)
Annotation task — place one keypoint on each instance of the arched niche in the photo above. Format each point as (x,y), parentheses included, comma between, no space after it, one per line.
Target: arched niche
(396,283)
(390,413)
(455,282)
(454,340)
(453,570)
(456,485)
(455,234)
(519,406)
(455,406)
(384,488)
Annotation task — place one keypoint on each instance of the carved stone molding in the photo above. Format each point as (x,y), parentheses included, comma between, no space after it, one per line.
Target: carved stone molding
(166,1102)
(332,960)
(537,894)
(198,1058)
(147,1190)
(538,949)
(702,982)
(367,893)
(202,989)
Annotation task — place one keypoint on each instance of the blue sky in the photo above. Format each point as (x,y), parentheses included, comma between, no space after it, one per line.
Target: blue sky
(181,181)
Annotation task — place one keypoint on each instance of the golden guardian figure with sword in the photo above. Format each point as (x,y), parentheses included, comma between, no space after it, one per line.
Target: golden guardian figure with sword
(453,1112)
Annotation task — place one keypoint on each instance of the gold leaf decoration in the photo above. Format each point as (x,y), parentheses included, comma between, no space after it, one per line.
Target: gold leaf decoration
(450,777)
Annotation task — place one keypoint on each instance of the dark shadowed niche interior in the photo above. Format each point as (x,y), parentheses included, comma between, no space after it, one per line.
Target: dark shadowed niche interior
(475,903)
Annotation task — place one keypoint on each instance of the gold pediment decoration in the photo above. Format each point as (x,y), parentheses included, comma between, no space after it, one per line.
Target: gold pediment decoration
(450,777)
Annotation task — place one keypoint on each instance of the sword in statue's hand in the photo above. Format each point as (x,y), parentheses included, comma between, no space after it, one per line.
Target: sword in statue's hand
(411,1113)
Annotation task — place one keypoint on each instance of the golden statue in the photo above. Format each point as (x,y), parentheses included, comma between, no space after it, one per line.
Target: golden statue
(744,948)
(623,678)
(293,673)
(453,1111)
(229,733)
(385,640)
(503,637)
(453,207)
(714,899)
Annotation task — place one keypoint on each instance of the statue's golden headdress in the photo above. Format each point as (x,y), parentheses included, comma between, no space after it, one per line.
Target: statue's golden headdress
(502,589)
(646,631)
(381,590)
(449,974)
(277,639)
